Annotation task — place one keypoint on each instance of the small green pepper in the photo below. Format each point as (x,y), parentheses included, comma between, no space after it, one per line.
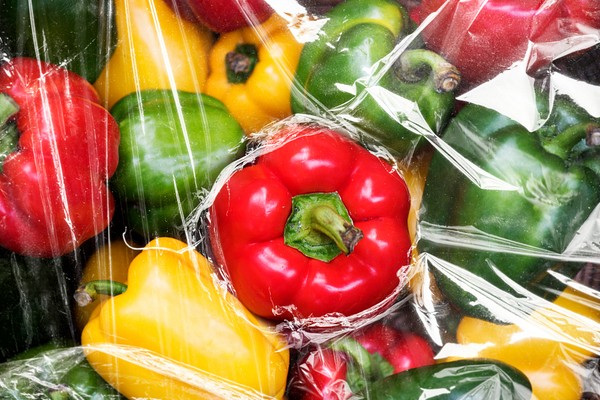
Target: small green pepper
(53,371)
(510,237)
(173,146)
(355,71)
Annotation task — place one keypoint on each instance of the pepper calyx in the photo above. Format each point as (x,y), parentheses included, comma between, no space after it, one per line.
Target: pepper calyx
(240,63)
(9,135)
(88,292)
(320,227)
(418,64)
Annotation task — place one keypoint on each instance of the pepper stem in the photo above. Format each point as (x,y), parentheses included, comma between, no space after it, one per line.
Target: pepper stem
(240,63)
(416,64)
(9,135)
(87,293)
(320,227)
(563,143)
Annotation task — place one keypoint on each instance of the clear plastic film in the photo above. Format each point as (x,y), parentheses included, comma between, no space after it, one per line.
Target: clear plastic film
(300,199)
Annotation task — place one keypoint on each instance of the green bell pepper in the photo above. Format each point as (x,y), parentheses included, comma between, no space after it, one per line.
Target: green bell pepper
(507,241)
(53,371)
(351,70)
(78,35)
(35,302)
(173,146)
(476,379)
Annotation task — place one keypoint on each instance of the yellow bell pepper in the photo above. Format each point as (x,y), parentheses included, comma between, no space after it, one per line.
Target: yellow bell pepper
(155,50)
(252,70)
(174,333)
(549,346)
(109,262)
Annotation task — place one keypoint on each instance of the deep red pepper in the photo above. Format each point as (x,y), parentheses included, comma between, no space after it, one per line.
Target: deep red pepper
(223,15)
(250,215)
(336,372)
(485,37)
(59,148)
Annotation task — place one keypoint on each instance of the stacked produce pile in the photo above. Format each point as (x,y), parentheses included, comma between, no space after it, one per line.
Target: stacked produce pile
(303,199)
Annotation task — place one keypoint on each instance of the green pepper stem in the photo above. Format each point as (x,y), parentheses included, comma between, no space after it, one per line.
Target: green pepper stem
(320,227)
(414,65)
(562,144)
(327,220)
(8,108)
(240,63)
(87,293)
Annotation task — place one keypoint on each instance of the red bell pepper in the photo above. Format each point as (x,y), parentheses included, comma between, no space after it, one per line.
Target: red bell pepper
(345,367)
(485,37)
(59,147)
(315,226)
(223,15)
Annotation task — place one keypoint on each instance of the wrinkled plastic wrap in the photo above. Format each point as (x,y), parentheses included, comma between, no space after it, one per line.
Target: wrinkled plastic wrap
(299,199)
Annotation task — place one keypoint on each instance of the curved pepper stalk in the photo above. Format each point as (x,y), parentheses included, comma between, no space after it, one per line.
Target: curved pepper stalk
(355,71)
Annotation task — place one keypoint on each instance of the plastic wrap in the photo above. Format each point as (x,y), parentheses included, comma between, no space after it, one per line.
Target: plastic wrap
(299,199)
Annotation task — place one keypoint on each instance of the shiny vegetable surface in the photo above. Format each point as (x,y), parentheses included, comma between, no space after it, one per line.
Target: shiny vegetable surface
(251,71)
(543,194)
(155,50)
(478,379)
(353,69)
(174,144)
(351,363)
(315,226)
(185,337)
(53,192)
(80,38)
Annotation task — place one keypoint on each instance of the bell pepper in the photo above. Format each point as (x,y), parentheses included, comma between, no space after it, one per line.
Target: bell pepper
(347,365)
(174,144)
(108,262)
(503,239)
(59,147)
(484,38)
(56,371)
(549,347)
(477,379)
(352,71)
(79,37)
(174,333)
(316,226)
(35,305)
(251,71)
(223,15)
(155,50)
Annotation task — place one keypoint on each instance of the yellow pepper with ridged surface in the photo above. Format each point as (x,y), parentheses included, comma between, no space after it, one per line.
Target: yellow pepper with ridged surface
(175,333)
(156,49)
(252,70)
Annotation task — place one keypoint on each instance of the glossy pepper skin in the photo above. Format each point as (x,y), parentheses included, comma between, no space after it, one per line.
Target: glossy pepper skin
(477,379)
(60,146)
(176,315)
(35,303)
(251,71)
(547,193)
(174,144)
(79,36)
(549,346)
(223,15)
(347,365)
(343,69)
(280,264)
(155,50)
(485,37)
(53,371)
